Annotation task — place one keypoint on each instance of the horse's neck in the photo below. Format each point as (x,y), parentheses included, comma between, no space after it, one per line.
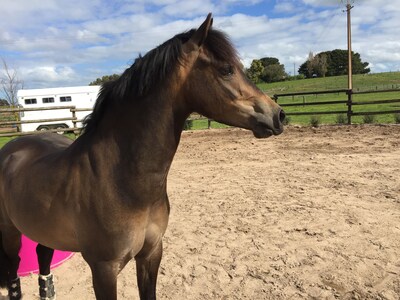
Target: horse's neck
(138,141)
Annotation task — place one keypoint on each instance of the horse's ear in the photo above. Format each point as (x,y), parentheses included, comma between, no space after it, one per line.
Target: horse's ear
(200,35)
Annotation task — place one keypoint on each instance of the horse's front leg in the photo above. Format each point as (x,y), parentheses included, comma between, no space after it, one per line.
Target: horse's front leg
(11,244)
(46,284)
(104,276)
(147,264)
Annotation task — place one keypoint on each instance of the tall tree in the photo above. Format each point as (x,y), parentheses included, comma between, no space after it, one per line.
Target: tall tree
(255,71)
(310,64)
(320,65)
(333,63)
(10,83)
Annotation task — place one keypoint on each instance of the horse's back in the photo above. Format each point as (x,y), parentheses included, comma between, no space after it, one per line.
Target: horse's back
(45,143)
(26,149)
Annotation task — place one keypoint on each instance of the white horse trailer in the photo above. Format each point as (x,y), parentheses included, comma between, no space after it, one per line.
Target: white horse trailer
(82,97)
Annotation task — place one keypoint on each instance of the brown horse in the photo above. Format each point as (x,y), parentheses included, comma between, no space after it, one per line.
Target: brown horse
(104,194)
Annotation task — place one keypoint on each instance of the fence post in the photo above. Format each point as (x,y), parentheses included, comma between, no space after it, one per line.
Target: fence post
(18,118)
(74,120)
(349,105)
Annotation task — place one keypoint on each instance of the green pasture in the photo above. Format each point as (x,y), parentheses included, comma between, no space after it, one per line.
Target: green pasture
(332,118)
(361,83)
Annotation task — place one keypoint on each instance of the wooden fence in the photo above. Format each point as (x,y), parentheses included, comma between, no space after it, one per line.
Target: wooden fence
(12,123)
(349,102)
(13,127)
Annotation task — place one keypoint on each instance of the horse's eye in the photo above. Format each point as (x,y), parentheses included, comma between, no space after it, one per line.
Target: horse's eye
(227,70)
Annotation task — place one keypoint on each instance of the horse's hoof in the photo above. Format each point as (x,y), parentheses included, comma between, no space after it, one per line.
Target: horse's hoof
(14,289)
(46,287)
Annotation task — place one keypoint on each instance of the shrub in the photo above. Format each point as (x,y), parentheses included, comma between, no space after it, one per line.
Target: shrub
(397,118)
(368,119)
(341,119)
(314,121)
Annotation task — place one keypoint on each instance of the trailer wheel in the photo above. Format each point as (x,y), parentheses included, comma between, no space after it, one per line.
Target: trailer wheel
(61,127)
(43,128)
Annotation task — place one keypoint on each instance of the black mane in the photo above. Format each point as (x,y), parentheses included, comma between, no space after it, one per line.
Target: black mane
(152,69)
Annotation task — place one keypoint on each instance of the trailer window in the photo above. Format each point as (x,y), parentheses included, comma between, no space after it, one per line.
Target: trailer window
(30,101)
(48,100)
(65,99)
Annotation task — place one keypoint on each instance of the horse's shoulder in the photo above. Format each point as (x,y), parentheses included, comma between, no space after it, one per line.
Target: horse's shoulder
(29,148)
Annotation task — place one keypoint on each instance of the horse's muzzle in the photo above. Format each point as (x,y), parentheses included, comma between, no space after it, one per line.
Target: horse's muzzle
(265,127)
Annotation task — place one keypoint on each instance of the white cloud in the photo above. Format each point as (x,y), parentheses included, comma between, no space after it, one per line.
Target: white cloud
(286,7)
(322,2)
(44,75)
(62,42)
(190,8)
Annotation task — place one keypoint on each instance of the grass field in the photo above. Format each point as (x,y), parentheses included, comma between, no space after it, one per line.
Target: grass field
(361,83)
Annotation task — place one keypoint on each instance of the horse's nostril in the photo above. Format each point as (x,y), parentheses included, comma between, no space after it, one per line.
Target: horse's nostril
(282,116)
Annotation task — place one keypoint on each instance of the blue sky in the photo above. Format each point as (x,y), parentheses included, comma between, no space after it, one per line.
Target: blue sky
(54,43)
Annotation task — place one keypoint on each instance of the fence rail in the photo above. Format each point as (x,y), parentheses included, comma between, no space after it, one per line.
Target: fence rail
(349,102)
(15,124)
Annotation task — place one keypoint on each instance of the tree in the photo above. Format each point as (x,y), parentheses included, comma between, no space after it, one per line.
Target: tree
(274,73)
(315,66)
(266,69)
(267,61)
(273,70)
(333,63)
(10,84)
(310,64)
(255,71)
(322,65)
(359,67)
(106,78)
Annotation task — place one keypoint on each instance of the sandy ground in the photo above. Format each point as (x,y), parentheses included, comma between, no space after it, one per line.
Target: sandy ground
(311,214)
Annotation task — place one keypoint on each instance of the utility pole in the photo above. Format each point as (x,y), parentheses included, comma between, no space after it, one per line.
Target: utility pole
(294,69)
(350,67)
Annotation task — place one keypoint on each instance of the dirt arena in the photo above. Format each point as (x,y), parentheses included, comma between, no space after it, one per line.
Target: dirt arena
(311,214)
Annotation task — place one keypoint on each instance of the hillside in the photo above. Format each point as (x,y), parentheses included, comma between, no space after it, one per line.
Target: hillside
(360,82)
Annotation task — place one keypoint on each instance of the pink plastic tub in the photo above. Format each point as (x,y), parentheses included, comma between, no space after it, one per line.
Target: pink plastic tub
(29,263)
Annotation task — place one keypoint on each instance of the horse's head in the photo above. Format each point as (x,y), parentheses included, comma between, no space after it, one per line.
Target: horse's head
(216,86)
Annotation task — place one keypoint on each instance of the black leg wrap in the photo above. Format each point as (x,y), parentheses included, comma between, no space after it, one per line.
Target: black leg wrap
(46,287)
(14,289)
